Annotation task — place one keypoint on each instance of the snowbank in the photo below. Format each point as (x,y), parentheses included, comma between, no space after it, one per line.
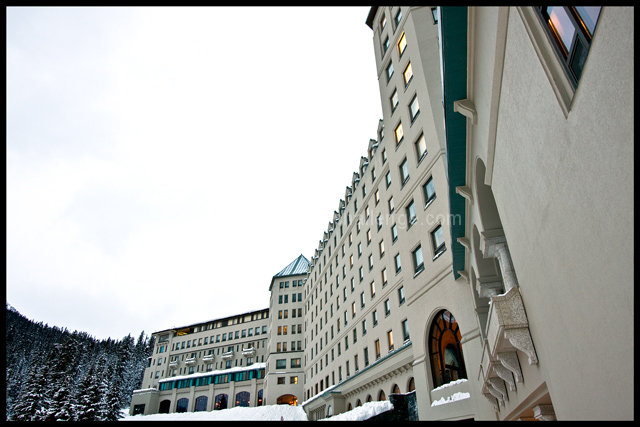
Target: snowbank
(260,413)
(367,410)
(455,396)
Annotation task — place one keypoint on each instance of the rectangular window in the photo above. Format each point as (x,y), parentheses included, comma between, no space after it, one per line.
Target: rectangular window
(414,108)
(372,289)
(437,236)
(421,148)
(391,205)
(407,74)
(429,191)
(397,262)
(405,330)
(418,260)
(398,133)
(370,264)
(389,71)
(281,363)
(387,307)
(379,221)
(394,100)
(383,273)
(377,196)
(362,299)
(374,315)
(401,295)
(402,44)
(387,178)
(385,45)
(404,171)
(394,232)
(390,339)
(381,248)
(296,363)
(364,327)
(377,346)
(411,213)
(398,17)
(368,236)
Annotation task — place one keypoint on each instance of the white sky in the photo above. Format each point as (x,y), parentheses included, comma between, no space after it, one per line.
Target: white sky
(164,163)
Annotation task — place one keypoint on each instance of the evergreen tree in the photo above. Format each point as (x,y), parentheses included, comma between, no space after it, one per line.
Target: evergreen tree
(61,387)
(110,402)
(31,398)
(88,397)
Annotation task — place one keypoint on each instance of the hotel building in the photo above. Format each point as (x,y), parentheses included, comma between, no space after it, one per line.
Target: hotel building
(481,258)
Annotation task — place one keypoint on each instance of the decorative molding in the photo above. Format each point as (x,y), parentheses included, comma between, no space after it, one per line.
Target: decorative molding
(544,413)
(509,359)
(467,108)
(464,241)
(465,192)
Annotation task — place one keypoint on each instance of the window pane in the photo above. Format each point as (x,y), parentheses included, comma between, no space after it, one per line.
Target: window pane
(402,44)
(589,16)
(414,108)
(421,146)
(408,73)
(562,25)
(399,133)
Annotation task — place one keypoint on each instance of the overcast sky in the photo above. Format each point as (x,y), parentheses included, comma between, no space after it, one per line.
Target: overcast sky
(164,163)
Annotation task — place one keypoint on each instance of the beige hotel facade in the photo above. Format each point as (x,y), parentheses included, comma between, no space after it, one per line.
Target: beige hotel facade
(482,255)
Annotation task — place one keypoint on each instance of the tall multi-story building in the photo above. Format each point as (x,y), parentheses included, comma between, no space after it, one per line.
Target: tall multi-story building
(482,256)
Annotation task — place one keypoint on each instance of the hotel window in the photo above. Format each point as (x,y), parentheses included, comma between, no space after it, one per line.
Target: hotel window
(437,237)
(411,214)
(381,248)
(447,362)
(418,260)
(387,307)
(390,339)
(429,191)
(296,363)
(355,335)
(367,212)
(383,154)
(399,133)
(362,299)
(372,289)
(404,171)
(391,205)
(293,380)
(398,17)
(388,178)
(377,346)
(366,357)
(394,100)
(401,295)
(379,221)
(359,249)
(368,236)
(377,196)
(407,74)
(414,108)
(405,330)
(571,29)
(434,15)
(364,327)
(374,315)
(370,262)
(384,277)
(389,71)
(281,363)
(360,274)
(351,260)
(385,45)
(383,21)
(364,190)
(373,170)
(402,44)
(398,264)
(394,233)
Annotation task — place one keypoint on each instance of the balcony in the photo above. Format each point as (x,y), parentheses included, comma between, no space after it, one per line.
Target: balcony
(227,355)
(507,332)
(249,352)
(173,364)
(208,358)
(190,361)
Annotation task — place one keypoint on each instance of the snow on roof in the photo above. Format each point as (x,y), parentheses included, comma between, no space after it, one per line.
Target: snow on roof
(216,372)
(359,413)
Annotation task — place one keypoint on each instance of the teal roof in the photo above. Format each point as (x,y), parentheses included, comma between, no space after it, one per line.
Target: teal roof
(453,23)
(296,267)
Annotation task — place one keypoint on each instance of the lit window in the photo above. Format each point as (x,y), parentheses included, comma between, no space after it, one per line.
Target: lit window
(381,247)
(414,108)
(377,346)
(368,236)
(372,289)
(402,44)
(377,196)
(418,260)
(571,29)
(421,148)
(408,74)
(399,133)
(390,339)
(384,276)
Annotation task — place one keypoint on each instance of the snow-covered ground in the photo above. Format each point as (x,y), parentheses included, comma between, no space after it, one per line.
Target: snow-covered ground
(263,413)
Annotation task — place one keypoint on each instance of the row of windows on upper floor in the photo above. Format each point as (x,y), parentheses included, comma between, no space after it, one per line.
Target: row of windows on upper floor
(407,218)
(212,351)
(281,346)
(284,314)
(420,146)
(283,329)
(284,298)
(294,283)
(213,379)
(332,332)
(239,334)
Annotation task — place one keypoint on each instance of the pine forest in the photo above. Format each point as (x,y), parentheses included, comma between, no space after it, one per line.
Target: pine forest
(57,375)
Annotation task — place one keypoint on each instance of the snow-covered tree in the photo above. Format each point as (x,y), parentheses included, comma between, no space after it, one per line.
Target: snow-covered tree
(88,397)
(30,400)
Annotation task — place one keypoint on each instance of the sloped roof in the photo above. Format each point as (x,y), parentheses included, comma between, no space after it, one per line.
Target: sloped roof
(297,266)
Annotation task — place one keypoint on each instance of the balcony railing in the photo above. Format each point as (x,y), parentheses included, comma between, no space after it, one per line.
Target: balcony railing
(227,355)
(208,358)
(249,352)
(190,361)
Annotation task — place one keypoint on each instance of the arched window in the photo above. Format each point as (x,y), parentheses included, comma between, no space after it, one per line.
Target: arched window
(164,406)
(358,403)
(201,403)
(220,402)
(445,351)
(260,402)
(412,385)
(381,396)
(369,398)
(242,398)
(182,405)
